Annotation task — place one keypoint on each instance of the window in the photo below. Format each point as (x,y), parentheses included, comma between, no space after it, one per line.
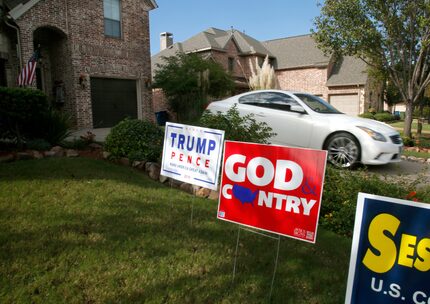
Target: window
(271,100)
(3,79)
(230,64)
(317,104)
(112,14)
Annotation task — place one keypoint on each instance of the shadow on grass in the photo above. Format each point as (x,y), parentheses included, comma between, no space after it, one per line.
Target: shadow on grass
(114,242)
(73,169)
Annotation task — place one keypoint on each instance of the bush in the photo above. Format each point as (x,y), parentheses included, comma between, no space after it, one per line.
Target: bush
(38,144)
(25,115)
(367,115)
(133,137)
(408,142)
(384,116)
(55,127)
(238,128)
(20,111)
(341,189)
(75,144)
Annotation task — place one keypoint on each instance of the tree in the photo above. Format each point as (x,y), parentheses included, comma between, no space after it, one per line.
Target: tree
(188,80)
(389,35)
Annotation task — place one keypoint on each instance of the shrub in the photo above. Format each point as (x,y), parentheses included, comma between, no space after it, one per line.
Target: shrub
(76,144)
(384,116)
(367,115)
(38,144)
(340,196)
(20,111)
(133,137)
(237,128)
(408,142)
(25,115)
(55,126)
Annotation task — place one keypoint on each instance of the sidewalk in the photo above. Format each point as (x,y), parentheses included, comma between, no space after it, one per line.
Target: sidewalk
(100,134)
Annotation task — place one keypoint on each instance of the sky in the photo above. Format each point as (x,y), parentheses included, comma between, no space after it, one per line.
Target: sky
(262,20)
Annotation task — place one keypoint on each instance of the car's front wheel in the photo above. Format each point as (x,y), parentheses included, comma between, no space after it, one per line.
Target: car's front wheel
(343,150)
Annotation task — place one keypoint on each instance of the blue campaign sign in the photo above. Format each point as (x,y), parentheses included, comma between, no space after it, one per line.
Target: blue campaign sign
(390,257)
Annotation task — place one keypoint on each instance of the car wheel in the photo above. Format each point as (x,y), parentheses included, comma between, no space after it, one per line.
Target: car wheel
(343,150)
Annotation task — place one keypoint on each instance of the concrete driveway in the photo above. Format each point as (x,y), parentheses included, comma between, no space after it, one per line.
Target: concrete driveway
(405,170)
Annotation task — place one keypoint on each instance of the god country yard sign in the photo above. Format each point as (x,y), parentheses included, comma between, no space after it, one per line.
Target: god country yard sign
(192,154)
(273,188)
(390,256)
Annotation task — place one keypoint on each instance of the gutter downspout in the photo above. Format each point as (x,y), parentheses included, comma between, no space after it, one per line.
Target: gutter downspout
(18,35)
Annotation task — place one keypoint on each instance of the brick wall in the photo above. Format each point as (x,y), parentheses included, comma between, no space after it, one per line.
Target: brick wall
(313,80)
(84,51)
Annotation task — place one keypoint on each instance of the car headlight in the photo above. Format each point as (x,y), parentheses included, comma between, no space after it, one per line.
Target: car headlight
(375,135)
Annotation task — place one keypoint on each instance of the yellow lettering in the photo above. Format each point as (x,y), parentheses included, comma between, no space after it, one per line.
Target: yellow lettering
(422,263)
(407,250)
(382,256)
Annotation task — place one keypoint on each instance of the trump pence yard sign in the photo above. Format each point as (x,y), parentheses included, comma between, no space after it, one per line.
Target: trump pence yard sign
(390,257)
(192,154)
(272,188)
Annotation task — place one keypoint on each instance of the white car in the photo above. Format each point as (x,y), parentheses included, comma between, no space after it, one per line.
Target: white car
(304,120)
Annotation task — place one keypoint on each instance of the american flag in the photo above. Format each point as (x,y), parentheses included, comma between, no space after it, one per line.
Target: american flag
(27,75)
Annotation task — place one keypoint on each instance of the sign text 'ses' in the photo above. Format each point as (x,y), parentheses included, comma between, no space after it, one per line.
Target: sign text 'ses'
(390,256)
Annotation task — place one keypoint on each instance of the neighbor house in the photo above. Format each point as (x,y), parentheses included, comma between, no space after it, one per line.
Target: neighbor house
(94,55)
(299,66)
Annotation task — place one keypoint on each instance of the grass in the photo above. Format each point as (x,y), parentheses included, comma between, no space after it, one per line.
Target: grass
(424,140)
(400,124)
(87,231)
(416,154)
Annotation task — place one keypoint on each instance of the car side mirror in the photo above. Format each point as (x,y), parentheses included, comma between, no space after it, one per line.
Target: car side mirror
(298,109)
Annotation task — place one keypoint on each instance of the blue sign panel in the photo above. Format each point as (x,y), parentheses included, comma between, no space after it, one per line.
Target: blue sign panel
(390,257)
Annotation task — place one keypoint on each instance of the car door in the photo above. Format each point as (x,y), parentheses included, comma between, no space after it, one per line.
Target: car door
(274,108)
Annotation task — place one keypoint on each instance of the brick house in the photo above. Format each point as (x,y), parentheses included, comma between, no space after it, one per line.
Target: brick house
(95,58)
(299,66)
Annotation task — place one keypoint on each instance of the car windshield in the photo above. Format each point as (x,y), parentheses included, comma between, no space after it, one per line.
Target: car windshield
(317,104)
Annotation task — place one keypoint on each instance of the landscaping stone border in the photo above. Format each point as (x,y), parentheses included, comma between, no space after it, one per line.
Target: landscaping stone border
(152,169)
(416,159)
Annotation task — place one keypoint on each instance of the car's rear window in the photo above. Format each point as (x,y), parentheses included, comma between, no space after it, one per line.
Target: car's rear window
(317,104)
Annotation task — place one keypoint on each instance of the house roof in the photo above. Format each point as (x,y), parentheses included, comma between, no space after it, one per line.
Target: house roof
(290,53)
(296,52)
(348,71)
(213,39)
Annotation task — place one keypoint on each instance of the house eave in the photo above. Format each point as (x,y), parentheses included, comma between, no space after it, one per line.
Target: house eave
(345,85)
(21,9)
(153,4)
(311,66)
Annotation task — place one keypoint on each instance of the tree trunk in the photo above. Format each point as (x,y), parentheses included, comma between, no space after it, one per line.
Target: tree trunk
(407,129)
(420,121)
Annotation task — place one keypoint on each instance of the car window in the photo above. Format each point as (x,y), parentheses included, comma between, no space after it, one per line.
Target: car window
(317,104)
(271,100)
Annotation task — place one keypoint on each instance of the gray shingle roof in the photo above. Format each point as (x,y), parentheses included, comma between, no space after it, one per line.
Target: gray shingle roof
(290,53)
(213,39)
(348,71)
(296,52)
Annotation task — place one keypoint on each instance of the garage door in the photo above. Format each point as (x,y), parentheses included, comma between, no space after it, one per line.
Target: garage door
(348,104)
(112,101)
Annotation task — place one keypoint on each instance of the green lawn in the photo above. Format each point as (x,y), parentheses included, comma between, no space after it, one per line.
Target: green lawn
(87,231)
(400,124)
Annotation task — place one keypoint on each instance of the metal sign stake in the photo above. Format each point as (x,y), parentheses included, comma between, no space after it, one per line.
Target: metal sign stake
(278,238)
(192,210)
(235,255)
